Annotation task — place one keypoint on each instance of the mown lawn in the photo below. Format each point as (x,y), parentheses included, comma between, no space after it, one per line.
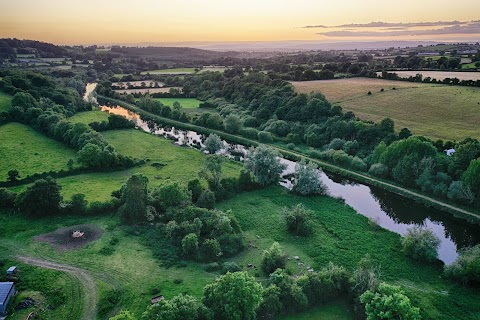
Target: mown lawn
(5,101)
(29,152)
(88,117)
(435,111)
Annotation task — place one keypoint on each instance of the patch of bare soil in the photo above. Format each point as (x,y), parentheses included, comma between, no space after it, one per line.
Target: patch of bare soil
(71,237)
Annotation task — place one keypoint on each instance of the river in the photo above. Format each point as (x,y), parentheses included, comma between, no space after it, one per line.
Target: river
(389,210)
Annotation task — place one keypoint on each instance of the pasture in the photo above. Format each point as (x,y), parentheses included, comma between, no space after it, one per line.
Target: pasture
(187,103)
(439,75)
(5,101)
(88,117)
(147,90)
(178,71)
(435,111)
(29,152)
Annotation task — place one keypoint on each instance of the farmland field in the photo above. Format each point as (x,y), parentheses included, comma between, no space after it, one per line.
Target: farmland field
(5,101)
(88,117)
(178,71)
(147,90)
(439,75)
(148,83)
(187,103)
(28,151)
(435,111)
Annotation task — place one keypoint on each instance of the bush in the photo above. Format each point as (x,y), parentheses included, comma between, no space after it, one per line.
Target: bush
(213,143)
(265,137)
(421,244)
(195,187)
(214,266)
(190,245)
(230,267)
(211,249)
(7,198)
(466,269)
(273,259)
(299,220)
(379,170)
(206,200)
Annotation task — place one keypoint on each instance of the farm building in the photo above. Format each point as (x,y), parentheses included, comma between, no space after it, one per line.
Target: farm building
(7,290)
(11,270)
(450,152)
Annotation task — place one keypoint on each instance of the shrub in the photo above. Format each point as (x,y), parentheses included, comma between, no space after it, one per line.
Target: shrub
(195,187)
(7,198)
(265,137)
(466,269)
(230,267)
(421,244)
(307,179)
(211,249)
(299,220)
(214,266)
(190,245)
(213,143)
(388,302)
(206,199)
(336,144)
(379,170)
(273,259)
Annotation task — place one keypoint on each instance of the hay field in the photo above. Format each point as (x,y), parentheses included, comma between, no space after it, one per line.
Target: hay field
(435,111)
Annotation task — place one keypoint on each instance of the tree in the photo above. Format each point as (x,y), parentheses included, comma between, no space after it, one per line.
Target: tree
(466,269)
(40,199)
(421,244)
(213,143)
(307,179)
(265,165)
(124,315)
(273,259)
(471,177)
(271,305)
(13,175)
(212,171)
(181,307)
(233,124)
(404,133)
(190,245)
(169,196)
(134,209)
(195,187)
(299,220)
(211,249)
(206,199)
(78,204)
(388,302)
(234,296)
(89,155)
(70,164)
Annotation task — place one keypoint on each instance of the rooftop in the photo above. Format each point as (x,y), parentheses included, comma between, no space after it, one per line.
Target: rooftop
(5,288)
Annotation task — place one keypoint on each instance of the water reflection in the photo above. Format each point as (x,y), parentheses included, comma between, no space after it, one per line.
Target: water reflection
(391,211)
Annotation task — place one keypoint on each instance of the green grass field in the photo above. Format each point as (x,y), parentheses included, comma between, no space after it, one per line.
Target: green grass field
(5,101)
(28,151)
(186,103)
(171,71)
(87,117)
(435,111)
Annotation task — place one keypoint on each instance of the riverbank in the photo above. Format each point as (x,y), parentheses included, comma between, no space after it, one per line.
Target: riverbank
(455,210)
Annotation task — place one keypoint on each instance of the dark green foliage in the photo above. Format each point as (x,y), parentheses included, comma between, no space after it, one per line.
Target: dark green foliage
(273,259)
(271,304)
(325,285)
(466,269)
(230,267)
(134,209)
(421,244)
(389,302)
(265,165)
(13,175)
(170,195)
(212,171)
(190,245)
(307,179)
(180,307)
(40,199)
(195,187)
(211,249)
(234,296)
(77,204)
(7,198)
(206,199)
(233,124)
(471,177)
(292,298)
(211,267)
(265,137)
(379,170)
(299,220)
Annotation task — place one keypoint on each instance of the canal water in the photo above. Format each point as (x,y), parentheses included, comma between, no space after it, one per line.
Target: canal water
(389,210)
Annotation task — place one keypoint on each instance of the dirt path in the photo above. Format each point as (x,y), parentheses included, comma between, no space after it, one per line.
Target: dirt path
(90,291)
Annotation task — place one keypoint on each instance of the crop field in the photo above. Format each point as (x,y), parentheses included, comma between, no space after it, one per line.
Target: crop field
(435,111)
(178,71)
(187,103)
(147,90)
(5,101)
(87,117)
(28,151)
(213,69)
(148,83)
(439,75)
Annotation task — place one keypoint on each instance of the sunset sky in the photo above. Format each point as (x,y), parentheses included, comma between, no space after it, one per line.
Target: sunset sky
(128,21)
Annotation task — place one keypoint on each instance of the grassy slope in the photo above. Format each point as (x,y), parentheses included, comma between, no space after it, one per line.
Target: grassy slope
(29,152)
(344,237)
(181,164)
(89,117)
(436,111)
(171,71)
(5,101)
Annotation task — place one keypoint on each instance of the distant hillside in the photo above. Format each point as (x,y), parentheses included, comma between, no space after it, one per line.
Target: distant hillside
(174,53)
(10,46)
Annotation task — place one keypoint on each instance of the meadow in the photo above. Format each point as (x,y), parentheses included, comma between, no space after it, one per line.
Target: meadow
(178,71)
(5,101)
(435,111)
(187,103)
(29,152)
(88,117)
(439,75)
